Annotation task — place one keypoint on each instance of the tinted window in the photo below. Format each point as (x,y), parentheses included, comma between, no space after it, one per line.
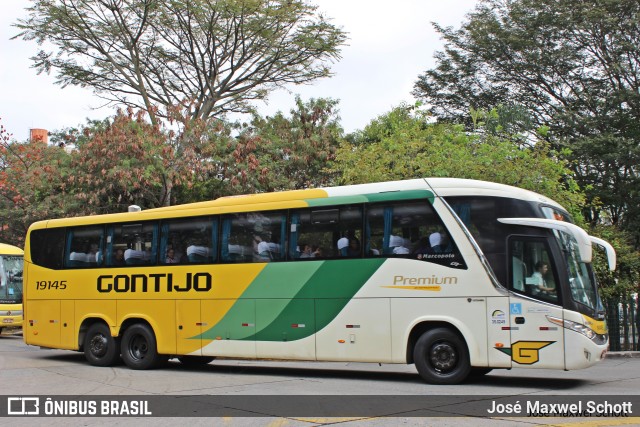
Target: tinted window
(532,272)
(326,233)
(192,240)
(85,247)
(412,230)
(47,247)
(253,237)
(480,215)
(132,244)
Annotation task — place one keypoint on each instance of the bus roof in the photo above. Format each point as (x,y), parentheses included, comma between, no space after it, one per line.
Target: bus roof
(440,187)
(444,187)
(6,249)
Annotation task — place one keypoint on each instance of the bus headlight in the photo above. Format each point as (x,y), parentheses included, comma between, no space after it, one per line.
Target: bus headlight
(576,327)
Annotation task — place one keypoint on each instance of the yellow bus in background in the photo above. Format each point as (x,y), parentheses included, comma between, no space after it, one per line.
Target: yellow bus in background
(456,276)
(11,268)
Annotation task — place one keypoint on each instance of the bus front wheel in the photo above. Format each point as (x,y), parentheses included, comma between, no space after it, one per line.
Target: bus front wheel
(441,357)
(139,347)
(100,348)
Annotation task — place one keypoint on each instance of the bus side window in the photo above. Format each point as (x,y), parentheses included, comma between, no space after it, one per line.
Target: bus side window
(326,232)
(138,241)
(253,237)
(85,247)
(410,229)
(47,247)
(532,272)
(192,240)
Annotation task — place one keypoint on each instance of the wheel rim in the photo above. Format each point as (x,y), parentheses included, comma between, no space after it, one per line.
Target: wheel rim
(139,347)
(443,357)
(98,345)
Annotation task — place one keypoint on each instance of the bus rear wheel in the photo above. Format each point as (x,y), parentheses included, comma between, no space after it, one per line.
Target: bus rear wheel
(139,347)
(100,348)
(441,357)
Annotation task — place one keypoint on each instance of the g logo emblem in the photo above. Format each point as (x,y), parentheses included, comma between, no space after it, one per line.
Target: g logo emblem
(525,352)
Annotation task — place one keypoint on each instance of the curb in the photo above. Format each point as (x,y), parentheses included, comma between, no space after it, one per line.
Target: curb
(622,355)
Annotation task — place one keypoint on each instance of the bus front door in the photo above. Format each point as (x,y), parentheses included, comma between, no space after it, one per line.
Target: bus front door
(536,342)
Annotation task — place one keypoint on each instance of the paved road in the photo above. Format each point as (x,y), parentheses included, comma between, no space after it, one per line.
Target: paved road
(28,371)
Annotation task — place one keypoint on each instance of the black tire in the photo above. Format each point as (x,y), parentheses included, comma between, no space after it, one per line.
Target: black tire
(100,348)
(441,357)
(194,361)
(139,348)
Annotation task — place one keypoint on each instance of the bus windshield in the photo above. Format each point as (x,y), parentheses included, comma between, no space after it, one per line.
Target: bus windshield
(11,267)
(550,212)
(583,287)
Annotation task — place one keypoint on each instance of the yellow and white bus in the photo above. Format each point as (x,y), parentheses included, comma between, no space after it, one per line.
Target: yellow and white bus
(11,266)
(456,276)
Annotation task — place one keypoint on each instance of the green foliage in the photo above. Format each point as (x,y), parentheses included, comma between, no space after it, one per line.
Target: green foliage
(32,185)
(129,161)
(282,152)
(575,67)
(405,144)
(625,279)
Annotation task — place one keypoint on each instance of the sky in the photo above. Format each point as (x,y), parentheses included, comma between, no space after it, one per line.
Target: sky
(390,44)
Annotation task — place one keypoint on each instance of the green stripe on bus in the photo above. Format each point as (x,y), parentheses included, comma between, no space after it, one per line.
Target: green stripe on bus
(297,318)
(290,313)
(401,195)
(388,196)
(337,200)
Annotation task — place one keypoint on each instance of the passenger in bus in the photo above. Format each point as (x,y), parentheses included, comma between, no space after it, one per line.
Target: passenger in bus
(343,245)
(118,258)
(422,247)
(402,246)
(440,242)
(94,256)
(198,253)
(318,252)
(435,241)
(261,251)
(306,251)
(274,247)
(83,257)
(354,247)
(309,252)
(171,257)
(537,281)
(78,259)
(135,255)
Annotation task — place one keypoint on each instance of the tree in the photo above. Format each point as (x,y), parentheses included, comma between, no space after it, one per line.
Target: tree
(575,66)
(405,143)
(277,153)
(32,185)
(299,148)
(206,56)
(127,161)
